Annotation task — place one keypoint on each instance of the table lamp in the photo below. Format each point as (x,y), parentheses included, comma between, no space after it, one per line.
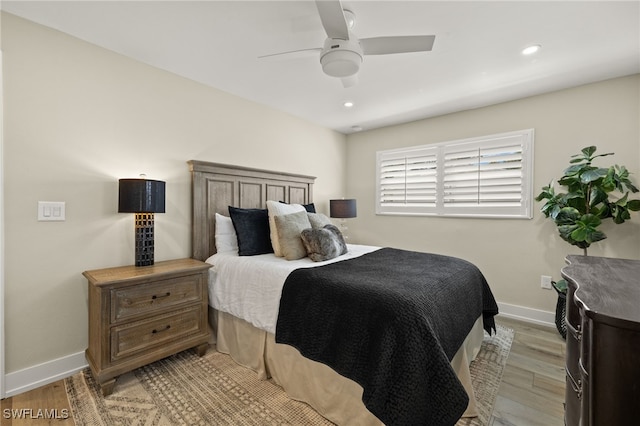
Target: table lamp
(343,209)
(144,197)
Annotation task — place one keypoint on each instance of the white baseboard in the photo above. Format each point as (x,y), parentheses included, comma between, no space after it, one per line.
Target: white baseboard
(523,313)
(57,369)
(43,374)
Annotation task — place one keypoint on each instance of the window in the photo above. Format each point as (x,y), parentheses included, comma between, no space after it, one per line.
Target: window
(488,176)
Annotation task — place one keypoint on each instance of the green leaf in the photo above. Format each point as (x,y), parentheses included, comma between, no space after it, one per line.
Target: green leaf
(560,285)
(554,210)
(609,183)
(567,216)
(597,236)
(565,232)
(597,196)
(623,201)
(633,205)
(593,175)
(547,193)
(623,179)
(579,234)
(590,221)
(573,170)
(588,151)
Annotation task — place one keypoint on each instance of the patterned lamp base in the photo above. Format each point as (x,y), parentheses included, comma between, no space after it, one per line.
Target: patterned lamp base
(144,239)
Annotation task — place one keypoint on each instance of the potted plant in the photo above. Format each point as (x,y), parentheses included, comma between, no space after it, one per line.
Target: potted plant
(586,204)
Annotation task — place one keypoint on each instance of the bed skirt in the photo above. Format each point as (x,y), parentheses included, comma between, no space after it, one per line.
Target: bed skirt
(330,394)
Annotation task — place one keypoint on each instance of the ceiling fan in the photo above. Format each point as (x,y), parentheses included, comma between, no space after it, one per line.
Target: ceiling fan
(342,53)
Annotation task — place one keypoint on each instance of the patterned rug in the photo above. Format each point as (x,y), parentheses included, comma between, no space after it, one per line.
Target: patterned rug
(185,389)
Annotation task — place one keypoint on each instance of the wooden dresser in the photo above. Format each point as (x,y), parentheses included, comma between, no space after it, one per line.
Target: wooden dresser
(603,341)
(138,315)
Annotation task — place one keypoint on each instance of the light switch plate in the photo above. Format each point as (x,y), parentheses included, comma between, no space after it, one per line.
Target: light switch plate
(51,211)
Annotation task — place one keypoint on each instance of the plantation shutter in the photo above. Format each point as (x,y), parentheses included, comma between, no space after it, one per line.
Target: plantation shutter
(483,176)
(408,179)
(489,176)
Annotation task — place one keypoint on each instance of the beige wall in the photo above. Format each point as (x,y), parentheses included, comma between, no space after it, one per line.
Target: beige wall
(77,118)
(511,253)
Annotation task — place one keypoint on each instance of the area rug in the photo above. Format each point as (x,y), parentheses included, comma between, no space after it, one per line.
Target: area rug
(185,389)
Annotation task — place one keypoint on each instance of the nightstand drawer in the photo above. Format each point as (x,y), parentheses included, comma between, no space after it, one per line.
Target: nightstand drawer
(130,339)
(146,299)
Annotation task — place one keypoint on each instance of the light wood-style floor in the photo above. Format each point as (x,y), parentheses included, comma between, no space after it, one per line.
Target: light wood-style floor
(532,390)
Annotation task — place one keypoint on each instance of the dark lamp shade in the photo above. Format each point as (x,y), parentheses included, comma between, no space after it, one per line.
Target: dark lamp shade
(141,196)
(342,209)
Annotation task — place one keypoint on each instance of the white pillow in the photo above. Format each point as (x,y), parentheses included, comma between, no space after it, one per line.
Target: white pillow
(226,239)
(277,208)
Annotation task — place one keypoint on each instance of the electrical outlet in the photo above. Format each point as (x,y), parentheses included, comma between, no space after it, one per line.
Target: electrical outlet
(545,282)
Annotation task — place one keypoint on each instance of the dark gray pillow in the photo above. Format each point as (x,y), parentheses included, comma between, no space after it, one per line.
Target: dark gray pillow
(252,230)
(323,243)
(339,237)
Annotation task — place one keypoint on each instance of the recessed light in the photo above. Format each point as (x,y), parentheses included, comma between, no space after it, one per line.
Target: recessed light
(530,50)
(356,128)
(348,104)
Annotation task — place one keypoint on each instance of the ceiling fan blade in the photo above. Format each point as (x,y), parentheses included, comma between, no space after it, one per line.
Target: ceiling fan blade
(293,54)
(332,17)
(397,44)
(350,81)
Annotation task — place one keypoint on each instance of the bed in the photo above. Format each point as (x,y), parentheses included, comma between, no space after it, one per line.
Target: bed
(272,343)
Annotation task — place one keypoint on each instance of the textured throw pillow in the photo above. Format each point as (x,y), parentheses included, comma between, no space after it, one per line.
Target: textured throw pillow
(339,236)
(252,230)
(226,238)
(276,208)
(321,244)
(318,220)
(289,227)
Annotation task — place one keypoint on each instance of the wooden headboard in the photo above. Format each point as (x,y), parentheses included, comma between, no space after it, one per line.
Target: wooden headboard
(215,187)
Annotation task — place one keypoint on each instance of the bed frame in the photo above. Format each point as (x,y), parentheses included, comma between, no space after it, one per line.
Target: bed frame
(215,187)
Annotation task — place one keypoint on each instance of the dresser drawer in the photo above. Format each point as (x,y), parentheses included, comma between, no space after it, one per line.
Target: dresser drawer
(136,337)
(145,299)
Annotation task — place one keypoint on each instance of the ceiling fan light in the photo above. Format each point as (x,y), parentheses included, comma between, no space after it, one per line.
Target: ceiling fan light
(350,17)
(341,63)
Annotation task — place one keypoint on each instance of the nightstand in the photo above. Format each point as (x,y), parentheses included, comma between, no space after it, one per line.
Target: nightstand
(138,315)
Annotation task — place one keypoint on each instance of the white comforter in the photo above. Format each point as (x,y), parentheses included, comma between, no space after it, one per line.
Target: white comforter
(249,287)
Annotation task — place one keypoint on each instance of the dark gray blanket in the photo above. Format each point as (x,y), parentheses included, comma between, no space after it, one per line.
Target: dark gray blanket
(391,320)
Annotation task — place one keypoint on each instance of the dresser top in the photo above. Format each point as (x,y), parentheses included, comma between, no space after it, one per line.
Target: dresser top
(606,286)
(158,270)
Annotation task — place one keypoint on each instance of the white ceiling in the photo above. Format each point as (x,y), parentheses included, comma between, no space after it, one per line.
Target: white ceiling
(476,59)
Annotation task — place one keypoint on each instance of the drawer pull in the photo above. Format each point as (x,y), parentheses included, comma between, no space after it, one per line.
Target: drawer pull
(159,331)
(577,332)
(155,297)
(577,388)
